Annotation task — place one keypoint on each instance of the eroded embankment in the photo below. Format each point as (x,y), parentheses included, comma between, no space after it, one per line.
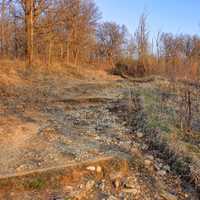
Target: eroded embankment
(159,147)
(72,121)
(58,178)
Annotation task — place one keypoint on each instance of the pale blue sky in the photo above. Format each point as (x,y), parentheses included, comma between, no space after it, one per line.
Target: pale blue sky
(176,16)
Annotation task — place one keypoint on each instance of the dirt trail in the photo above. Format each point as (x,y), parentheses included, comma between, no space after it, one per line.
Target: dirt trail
(62,122)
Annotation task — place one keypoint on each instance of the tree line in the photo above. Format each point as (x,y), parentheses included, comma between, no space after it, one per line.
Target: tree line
(71,31)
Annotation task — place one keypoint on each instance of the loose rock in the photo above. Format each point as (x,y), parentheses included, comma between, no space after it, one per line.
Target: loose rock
(98,169)
(147,163)
(133,191)
(166,168)
(112,198)
(89,185)
(140,134)
(161,173)
(91,168)
(130,182)
(117,183)
(150,157)
(168,196)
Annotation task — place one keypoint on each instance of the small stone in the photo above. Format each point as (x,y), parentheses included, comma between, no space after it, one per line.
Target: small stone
(98,169)
(122,195)
(51,156)
(116,175)
(168,196)
(12,194)
(68,188)
(186,195)
(144,147)
(97,137)
(166,168)
(147,163)
(133,191)
(102,186)
(117,183)
(21,168)
(91,168)
(112,198)
(160,165)
(130,182)
(135,150)
(140,134)
(150,157)
(161,173)
(90,184)
(157,167)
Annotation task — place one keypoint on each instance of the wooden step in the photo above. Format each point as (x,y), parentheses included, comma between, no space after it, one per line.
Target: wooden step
(56,177)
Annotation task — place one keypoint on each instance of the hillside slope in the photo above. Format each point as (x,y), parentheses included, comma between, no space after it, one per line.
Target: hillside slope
(66,117)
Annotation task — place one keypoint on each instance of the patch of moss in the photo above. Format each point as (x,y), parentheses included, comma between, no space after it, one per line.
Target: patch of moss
(67,198)
(193,149)
(4,183)
(180,166)
(36,184)
(162,125)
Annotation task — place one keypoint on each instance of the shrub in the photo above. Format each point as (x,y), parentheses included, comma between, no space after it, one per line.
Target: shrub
(129,67)
(120,69)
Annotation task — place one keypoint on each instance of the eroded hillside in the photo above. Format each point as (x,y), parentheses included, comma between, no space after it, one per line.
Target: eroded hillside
(56,118)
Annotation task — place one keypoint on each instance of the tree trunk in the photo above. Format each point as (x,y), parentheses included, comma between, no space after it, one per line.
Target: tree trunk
(76,53)
(15,39)
(61,52)
(29,31)
(49,53)
(68,53)
(2,26)
(189,105)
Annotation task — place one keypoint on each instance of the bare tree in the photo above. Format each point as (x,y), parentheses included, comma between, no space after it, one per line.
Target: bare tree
(32,11)
(69,31)
(142,40)
(3,6)
(110,39)
(28,5)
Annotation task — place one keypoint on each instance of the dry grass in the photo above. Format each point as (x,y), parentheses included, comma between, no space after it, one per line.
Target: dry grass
(179,148)
(14,72)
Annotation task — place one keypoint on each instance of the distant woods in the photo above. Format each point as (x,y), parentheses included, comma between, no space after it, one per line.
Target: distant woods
(70,31)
